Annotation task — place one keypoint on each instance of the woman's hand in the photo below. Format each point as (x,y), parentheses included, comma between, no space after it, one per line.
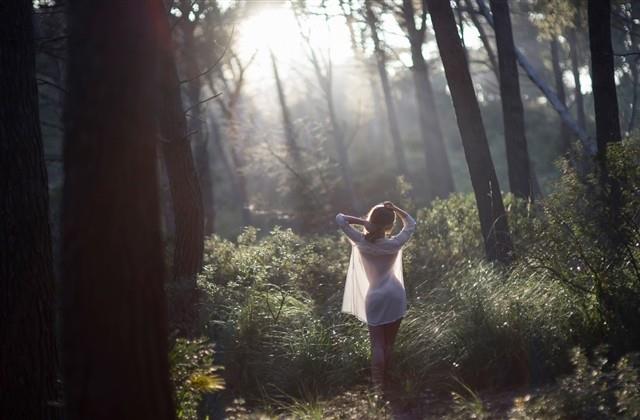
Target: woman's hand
(389,205)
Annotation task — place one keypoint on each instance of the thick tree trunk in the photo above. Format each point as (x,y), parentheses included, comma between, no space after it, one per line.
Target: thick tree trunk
(574,47)
(512,108)
(394,130)
(605,100)
(493,219)
(565,134)
(114,306)
(28,354)
(186,197)
(439,180)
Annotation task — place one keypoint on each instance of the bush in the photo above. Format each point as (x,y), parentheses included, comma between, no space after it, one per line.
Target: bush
(596,390)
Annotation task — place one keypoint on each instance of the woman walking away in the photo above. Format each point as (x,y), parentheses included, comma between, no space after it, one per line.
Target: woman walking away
(374,290)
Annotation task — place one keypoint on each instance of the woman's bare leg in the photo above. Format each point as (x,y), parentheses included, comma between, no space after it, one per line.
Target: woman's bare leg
(377,336)
(390,332)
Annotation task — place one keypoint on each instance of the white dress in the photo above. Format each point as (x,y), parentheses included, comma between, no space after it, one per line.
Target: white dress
(374,290)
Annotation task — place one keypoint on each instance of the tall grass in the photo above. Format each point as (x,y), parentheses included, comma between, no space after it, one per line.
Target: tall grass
(272,304)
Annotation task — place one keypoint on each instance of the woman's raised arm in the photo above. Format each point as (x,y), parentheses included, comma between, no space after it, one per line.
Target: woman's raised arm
(345,221)
(408,224)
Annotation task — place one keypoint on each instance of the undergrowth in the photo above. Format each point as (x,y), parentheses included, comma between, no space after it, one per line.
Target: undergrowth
(271,302)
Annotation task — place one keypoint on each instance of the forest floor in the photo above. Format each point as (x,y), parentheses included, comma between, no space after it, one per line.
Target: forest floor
(361,403)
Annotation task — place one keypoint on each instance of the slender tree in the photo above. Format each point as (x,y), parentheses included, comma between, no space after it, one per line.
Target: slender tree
(197,134)
(473,14)
(185,190)
(493,219)
(394,130)
(438,169)
(602,68)
(296,164)
(574,54)
(290,136)
(634,36)
(114,337)
(565,134)
(551,96)
(324,73)
(229,109)
(28,354)
(512,108)
(377,124)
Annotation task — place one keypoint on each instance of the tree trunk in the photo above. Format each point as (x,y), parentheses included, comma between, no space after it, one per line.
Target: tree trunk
(28,353)
(186,197)
(438,170)
(560,108)
(199,139)
(635,62)
(493,61)
(394,130)
(376,124)
(114,306)
(512,108)
(290,136)
(296,179)
(565,135)
(605,100)
(493,219)
(575,69)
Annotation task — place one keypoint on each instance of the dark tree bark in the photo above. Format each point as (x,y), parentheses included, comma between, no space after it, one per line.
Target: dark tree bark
(575,69)
(605,103)
(565,133)
(605,100)
(512,108)
(28,354)
(438,170)
(493,219)
(635,62)
(551,96)
(186,197)
(114,306)
(394,130)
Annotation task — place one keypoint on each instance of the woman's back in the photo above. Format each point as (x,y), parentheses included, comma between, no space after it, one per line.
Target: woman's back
(374,289)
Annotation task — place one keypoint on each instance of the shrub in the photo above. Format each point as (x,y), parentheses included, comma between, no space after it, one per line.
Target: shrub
(193,375)
(596,389)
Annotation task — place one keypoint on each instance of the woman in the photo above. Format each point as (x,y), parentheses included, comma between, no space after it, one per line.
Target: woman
(374,290)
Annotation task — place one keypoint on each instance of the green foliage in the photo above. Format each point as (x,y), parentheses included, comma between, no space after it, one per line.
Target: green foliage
(596,389)
(272,302)
(193,374)
(553,17)
(592,247)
